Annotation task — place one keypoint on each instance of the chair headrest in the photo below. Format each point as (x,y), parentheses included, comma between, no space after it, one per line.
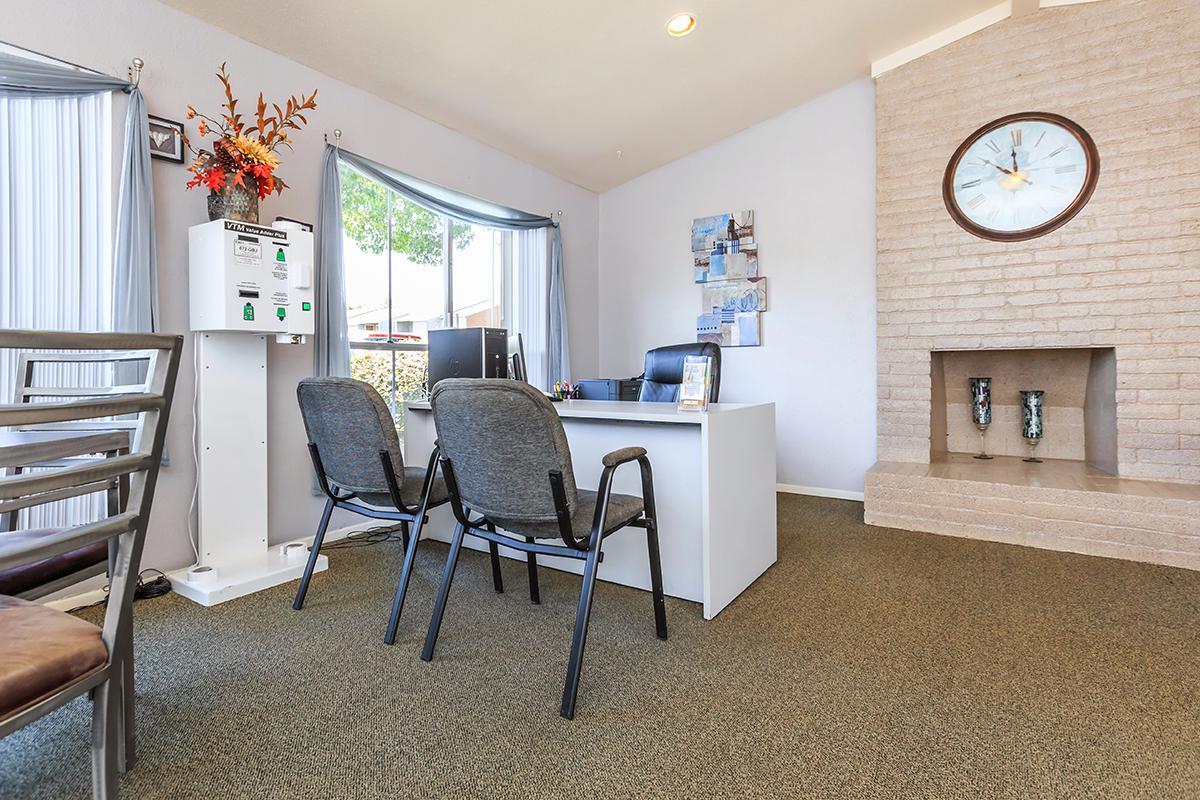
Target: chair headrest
(665,364)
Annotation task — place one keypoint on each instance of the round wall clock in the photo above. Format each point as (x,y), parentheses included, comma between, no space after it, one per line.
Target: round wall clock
(1021,176)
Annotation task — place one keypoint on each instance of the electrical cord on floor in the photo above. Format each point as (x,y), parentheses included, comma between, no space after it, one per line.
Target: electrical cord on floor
(366,538)
(145,589)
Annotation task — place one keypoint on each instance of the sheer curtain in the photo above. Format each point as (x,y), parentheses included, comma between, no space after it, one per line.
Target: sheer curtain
(55,239)
(531,313)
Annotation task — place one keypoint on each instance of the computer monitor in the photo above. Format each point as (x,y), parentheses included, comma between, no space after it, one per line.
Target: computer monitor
(516,358)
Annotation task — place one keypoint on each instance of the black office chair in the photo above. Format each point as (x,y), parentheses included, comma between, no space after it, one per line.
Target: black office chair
(664,371)
(356,454)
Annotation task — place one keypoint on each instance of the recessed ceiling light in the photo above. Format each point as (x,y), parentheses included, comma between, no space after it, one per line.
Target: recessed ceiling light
(681,24)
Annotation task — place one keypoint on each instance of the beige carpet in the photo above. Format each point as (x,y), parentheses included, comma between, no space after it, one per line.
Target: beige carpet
(867,663)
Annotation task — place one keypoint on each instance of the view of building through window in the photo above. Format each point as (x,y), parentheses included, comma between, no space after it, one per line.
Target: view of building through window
(409,271)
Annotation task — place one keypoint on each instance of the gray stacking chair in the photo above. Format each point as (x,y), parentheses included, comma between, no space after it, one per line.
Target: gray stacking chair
(505,459)
(47,657)
(356,454)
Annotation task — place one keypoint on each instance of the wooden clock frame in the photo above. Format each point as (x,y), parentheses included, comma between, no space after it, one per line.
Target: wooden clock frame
(1066,215)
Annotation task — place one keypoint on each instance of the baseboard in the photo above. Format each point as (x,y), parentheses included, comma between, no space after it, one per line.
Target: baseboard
(93,596)
(77,600)
(818,491)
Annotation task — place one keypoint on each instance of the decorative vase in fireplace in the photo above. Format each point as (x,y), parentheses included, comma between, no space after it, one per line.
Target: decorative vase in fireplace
(1032,420)
(981,410)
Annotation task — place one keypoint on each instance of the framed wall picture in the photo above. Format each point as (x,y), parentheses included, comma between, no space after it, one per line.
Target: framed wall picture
(166,139)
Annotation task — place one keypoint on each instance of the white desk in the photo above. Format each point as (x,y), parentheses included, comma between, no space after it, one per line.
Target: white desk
(714,485)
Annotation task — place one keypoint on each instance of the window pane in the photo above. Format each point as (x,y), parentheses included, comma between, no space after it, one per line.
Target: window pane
(398,376)
(477,269)
(403,306)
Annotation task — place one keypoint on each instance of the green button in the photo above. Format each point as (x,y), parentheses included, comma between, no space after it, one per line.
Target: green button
(281,312)
(248,312)
(306,306)
(280,255)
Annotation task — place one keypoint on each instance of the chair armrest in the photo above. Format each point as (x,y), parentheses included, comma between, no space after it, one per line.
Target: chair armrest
(622,456)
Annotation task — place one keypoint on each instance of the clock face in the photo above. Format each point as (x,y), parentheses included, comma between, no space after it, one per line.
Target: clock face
(1021,176)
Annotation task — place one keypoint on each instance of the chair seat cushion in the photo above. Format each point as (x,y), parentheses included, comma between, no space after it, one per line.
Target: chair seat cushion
(410,490)
(26,577)
(42,651)
(622,509)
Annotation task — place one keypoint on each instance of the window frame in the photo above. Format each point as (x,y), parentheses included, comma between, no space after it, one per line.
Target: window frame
(394,345)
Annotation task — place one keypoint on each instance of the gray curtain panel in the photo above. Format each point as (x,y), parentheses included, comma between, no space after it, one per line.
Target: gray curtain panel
(456,205)
(331,351)
(135,262)
(135,284)
(560,353)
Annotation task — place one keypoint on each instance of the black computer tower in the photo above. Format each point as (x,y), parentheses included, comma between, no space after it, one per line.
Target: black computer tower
(467,353)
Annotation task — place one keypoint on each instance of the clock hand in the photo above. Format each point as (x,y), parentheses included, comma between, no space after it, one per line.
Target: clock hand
(1014,158)
(1007,171)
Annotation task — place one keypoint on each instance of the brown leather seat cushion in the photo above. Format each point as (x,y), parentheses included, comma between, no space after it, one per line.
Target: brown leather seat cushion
(19,580)
(41,651)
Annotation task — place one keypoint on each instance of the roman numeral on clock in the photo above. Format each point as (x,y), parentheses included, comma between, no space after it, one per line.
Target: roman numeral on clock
(1066,168)
(976,201)
(1016,137)
(995,148)
(1056,151)
(971,184)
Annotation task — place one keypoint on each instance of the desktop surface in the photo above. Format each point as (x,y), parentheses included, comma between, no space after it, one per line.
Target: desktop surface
(624,410)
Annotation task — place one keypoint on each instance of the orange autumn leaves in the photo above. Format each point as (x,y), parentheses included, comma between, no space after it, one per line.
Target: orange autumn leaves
(244,154)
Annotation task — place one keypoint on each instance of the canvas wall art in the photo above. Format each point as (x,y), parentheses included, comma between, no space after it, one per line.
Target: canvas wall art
(733,294)
(722,231)
(747,294)
(739,329)
(711,266)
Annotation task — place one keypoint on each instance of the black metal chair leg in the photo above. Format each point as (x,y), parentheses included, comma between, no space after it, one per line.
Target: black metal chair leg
(410,554)
(497,576)
(656,581)
(312,556)
(439,607)
(531,558)
(579,638)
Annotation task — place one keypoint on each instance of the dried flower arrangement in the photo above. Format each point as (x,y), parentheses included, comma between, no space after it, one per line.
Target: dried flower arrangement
(242,158)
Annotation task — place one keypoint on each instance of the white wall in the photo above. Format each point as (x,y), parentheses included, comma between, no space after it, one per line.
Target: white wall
(181,55)
(809,175)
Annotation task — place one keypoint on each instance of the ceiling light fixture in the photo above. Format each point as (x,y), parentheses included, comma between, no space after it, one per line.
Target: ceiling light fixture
(681,25)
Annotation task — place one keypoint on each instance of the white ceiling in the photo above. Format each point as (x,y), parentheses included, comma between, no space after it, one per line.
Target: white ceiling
(565,84)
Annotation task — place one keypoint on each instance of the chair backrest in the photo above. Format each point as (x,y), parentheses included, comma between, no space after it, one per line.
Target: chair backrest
(664,371)
(45,377)
(350,425)
(67,478)
(502,439)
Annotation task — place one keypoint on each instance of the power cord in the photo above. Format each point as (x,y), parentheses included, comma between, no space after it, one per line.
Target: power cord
(366,538)
(144,590)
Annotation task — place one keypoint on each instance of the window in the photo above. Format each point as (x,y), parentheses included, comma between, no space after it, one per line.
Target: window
(56,240)
(409,271)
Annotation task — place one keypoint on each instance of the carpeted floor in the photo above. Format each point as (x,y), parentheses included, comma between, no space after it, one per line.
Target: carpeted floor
(867,663)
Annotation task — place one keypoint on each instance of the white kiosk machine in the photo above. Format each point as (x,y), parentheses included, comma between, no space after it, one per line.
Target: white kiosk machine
(248,282)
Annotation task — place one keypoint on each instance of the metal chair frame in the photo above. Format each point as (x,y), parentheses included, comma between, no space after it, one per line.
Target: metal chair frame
(111,751)
(588,551)
(404,514)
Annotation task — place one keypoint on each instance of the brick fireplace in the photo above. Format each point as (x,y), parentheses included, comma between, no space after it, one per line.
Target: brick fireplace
(1103,314)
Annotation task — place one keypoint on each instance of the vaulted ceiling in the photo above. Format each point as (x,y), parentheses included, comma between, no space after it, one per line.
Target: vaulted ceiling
(568,84)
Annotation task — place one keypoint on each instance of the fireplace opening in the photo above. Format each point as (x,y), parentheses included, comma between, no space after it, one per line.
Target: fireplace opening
(1078,405)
